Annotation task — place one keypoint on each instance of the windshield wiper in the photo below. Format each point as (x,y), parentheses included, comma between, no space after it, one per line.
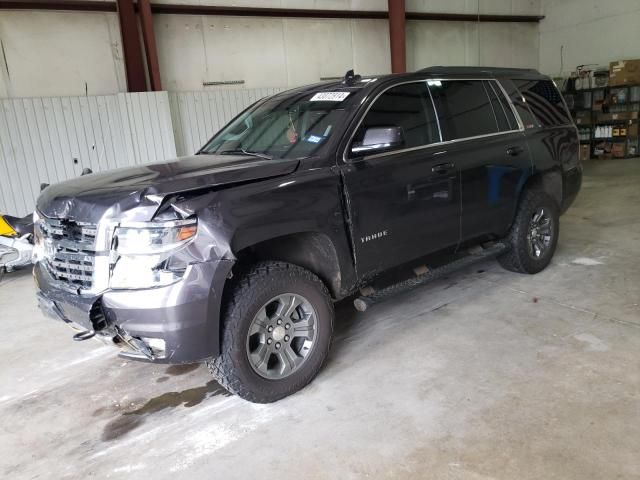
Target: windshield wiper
(245,152)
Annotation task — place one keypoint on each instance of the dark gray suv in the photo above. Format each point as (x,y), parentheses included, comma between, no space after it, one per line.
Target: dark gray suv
(236,254)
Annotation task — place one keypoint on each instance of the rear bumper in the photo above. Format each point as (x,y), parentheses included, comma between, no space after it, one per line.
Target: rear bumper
(183,316)
(571,183)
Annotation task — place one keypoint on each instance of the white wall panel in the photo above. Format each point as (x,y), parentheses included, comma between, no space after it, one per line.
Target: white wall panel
(578,32)
(266,52)
(60,53)
(469,43)
(500,7)
(371,52)
(317,49)
(198,115)
(48,140)
(63,53)
(251,49)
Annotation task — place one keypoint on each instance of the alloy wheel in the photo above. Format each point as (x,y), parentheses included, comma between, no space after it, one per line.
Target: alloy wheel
(281,336)
(540,233)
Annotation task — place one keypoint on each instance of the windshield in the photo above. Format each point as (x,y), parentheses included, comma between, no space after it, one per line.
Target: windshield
(289,127)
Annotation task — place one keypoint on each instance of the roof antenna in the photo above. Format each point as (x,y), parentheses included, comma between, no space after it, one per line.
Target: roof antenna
(350,77)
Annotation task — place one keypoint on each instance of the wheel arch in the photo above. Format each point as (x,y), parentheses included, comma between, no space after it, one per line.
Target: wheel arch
(313,251)
(549,181)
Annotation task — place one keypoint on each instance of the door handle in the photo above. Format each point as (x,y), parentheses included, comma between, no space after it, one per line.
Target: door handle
(514,151)
(443,168)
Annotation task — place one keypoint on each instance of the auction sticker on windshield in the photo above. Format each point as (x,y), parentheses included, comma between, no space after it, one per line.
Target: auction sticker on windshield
(329,96)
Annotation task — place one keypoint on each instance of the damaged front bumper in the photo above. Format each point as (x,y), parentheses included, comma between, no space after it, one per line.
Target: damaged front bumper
(174,324)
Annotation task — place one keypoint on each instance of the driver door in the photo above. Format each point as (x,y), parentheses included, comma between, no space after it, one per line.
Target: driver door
(404,201)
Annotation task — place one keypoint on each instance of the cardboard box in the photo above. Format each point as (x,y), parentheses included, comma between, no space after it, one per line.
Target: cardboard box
(585,152)
(632,130)
(618,150)
(583,117)
(624,72)
(602,149)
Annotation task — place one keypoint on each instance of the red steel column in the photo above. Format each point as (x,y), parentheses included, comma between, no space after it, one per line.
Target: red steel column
(133,62)
(397,36)
(148,34)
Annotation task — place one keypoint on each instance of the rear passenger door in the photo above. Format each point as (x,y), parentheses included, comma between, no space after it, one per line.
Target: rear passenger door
(486,142)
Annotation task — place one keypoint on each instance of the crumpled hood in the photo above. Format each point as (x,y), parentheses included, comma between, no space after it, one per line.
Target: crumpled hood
(134,194)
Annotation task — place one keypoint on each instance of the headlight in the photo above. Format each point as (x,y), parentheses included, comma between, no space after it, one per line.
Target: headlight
(142,253)
(38,252)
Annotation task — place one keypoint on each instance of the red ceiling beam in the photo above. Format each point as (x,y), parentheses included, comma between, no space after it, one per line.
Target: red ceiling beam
(150,48)
(69,5)
(397,37)
(469,17)
(178,9)
(133,61)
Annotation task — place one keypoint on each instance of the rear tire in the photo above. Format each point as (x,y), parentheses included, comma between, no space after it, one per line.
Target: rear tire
(261,303)
(534,234)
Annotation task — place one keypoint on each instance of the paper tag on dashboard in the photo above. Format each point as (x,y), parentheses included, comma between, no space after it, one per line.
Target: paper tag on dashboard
(329,96)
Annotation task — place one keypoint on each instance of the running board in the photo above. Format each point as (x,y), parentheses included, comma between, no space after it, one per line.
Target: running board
(473,256)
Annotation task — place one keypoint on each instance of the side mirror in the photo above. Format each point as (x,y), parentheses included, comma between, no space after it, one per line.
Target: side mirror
(43,186)
(86,171)
(379,139)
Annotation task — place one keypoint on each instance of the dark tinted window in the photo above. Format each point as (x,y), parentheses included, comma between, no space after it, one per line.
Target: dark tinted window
(501,117)
(545,101)
(463,107)
(527,118)
(407,106)
(502,109)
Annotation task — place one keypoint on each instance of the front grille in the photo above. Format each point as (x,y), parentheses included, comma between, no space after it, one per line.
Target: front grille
(70,252)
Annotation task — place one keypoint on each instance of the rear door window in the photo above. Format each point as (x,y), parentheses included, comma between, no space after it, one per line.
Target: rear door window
(464,108)
(545,102)
(520,104)
(504,115)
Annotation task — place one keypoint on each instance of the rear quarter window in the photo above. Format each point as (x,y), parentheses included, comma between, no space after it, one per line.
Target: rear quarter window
(545,102)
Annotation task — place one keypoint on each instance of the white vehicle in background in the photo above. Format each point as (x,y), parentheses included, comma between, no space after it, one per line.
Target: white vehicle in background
(16,242)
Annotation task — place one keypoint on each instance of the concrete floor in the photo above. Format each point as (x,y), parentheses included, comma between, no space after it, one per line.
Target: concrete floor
(486,374)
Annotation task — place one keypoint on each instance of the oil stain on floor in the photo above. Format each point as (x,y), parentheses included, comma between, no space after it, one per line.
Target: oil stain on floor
(183,369)
(132,419)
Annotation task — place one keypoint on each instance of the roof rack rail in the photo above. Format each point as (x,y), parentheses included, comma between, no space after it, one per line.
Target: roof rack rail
(471,70)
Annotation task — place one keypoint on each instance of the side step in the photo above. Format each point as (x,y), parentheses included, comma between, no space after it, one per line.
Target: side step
(473,256)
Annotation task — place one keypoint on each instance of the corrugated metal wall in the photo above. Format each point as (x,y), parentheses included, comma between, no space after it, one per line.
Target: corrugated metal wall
(198,115)
(48,140)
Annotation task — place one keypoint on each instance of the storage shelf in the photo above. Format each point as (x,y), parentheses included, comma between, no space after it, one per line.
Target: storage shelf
(592,119)
(609,122)
(619,137)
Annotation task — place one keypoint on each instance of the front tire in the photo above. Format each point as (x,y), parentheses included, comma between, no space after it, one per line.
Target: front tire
(534,234)
(277,330)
